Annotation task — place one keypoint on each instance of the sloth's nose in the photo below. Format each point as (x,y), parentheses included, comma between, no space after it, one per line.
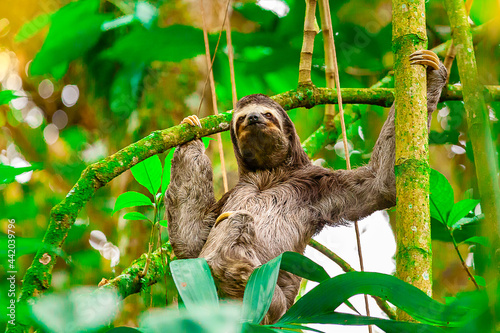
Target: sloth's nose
(253,118)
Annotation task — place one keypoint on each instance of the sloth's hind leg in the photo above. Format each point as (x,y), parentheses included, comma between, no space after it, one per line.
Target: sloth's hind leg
(230,252)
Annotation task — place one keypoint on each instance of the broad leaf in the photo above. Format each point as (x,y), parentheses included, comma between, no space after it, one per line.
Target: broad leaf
(148,174)
(194,282)
(131,199)
(163,223)
(259,291)
(135,216)
(389,326)
(405,296)
(6,96)
(459,210)
(441,196)
(167,166)
(173,43)
(75,28)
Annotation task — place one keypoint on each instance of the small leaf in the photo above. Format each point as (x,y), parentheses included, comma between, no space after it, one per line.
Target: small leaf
(478,240)
(131,199)
(206,141)
(135,216)
(302,266)
(164,223)
(31,28)
(8,173)
(441,196)
(259,291)
(459,210)
(6,96)
(148,173)
(480,280)
(194,282)
(166,171)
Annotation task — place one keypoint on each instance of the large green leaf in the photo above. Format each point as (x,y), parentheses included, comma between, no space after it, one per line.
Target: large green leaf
(405,296)
(441,196)
(461,209)
(194,282)
(260,287)
(259,291)
(148,174)
(6,96)
(75,28)
(389,326)
(131,199)
(173,43)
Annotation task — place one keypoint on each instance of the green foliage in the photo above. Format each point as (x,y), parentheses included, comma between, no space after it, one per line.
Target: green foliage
(135,216)
(195,283)
(77,310)
(75,29)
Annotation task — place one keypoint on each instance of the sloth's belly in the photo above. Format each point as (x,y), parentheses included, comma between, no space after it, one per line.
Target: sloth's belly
(281,220)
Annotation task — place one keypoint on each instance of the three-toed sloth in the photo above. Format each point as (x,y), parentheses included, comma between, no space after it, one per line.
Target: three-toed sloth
(281,200)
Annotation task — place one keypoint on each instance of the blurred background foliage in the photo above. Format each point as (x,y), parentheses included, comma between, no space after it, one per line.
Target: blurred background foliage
(96,76)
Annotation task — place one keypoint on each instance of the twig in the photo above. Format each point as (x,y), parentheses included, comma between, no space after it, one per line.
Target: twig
(230,55)
(214,96)
(464,265)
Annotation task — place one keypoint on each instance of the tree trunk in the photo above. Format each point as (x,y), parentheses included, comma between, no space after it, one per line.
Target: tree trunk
(413,232)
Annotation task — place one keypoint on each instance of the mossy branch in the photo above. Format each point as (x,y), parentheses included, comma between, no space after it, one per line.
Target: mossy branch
(131,281)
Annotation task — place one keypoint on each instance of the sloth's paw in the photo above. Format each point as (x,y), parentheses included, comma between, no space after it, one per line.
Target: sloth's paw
(425,57)
(192,120)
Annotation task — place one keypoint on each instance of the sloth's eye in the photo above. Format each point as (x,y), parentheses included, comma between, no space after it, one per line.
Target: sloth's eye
(240,120)
(268,115)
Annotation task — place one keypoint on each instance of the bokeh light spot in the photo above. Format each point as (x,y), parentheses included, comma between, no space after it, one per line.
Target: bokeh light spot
(34,118)
(45,88)
(51,134)
(69,95)
(60,119)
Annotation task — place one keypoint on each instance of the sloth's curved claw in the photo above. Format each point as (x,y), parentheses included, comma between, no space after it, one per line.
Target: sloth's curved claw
(425,57)
(222,217)
(192,120)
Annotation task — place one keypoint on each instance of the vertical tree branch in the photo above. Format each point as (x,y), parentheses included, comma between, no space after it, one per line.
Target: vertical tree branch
(310,31)
(414,254)
(485,158)
(230,55)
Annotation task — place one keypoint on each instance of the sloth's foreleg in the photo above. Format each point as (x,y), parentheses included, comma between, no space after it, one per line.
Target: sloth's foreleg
(189,198)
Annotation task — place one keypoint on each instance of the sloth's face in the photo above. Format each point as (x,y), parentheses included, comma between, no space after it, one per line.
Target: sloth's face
(259,133)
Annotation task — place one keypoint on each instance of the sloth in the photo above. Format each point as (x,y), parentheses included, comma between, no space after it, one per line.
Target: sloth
(281,199)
